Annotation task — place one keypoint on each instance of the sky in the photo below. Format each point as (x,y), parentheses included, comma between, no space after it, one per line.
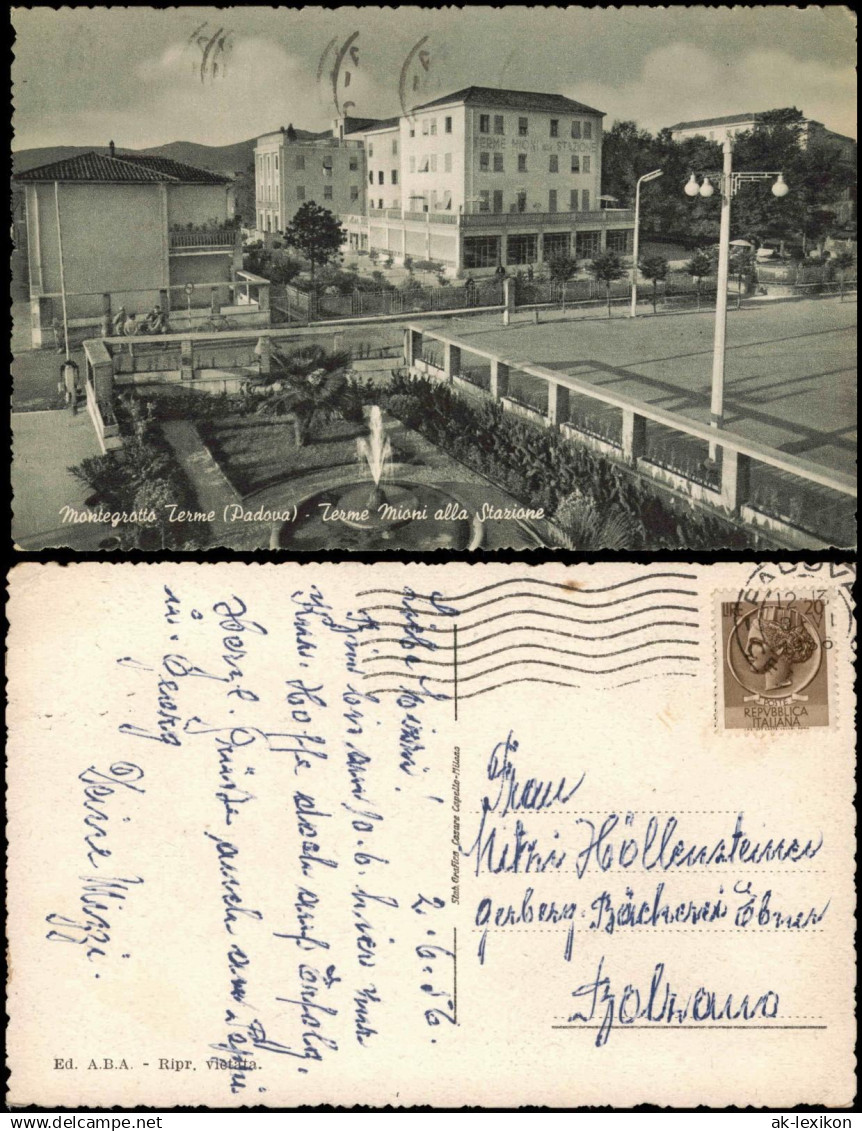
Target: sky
(144,76)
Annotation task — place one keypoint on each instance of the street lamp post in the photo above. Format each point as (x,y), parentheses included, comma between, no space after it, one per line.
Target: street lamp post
(729,183)
(641,180)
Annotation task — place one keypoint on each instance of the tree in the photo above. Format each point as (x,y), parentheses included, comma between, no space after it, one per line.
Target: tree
(585,526)
(316,233)
(313,386)
(562,268)
(699,267)
(607,268)
(842,261)
(741,264)
(654,268)
(244,196)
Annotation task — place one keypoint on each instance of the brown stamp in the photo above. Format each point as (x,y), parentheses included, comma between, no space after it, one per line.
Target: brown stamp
(772,662)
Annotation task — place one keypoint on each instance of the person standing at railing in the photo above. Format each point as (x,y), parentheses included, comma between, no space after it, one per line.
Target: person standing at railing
(155,321)
(120,322)
(69,382)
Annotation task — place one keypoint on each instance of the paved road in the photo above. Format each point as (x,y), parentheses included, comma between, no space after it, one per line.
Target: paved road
(45,445)
(790,371)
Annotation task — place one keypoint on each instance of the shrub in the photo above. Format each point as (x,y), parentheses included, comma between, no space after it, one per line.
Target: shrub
(541,468)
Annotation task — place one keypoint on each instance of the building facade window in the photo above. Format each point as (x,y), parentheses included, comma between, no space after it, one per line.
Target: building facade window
(371,149)
(522,249)
(481,251)
(555,127)
(433,127)
(380,203)
(300,192)
(552,200)
(484,161)
(553,163)
(585,200)
(498,124)
(395,147)
(523,126)
(354,164)
(327,192)
(484,200)
(522,162)
(380,177)
(425,125)
(354,192)
(371,177)
(412,164)
(447,125)
(621,242)
(585,165)
(576,129)
(588,244)
(395,176)
(576,163)
(447,162)
(276,162)
(300,161)
(521,200)
(573,200)
(484,123)
(498,162)
(433,162)
(555,245)
(588,130)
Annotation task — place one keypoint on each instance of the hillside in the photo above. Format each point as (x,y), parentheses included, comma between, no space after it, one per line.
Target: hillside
(226,159)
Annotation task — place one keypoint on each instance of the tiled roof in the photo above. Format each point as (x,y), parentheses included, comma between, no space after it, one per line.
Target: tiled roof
(176,170)
(512,100)
(360,125)
(383,124)
(729,119)
(127,168)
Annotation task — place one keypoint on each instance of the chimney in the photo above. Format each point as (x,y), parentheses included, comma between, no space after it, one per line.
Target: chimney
(110,149)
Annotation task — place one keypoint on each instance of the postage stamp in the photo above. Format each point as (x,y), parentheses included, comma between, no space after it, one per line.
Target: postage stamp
(772,661)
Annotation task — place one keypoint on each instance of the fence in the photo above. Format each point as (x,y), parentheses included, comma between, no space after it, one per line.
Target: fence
(291,304)
(801,501)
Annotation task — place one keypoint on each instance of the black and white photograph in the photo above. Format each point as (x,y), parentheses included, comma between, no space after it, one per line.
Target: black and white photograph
(379,279)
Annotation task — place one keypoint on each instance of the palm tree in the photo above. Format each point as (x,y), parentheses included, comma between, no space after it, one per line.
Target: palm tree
(842,261)
(584,527)
(654,268)
(607,268)
(310,386)
(699,267)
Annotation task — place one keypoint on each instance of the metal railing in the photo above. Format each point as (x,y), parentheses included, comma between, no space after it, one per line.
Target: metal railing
(475,218)
(211,237)
(745,466)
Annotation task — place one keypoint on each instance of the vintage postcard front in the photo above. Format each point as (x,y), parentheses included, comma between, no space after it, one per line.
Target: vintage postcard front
(492,834)
(405,278)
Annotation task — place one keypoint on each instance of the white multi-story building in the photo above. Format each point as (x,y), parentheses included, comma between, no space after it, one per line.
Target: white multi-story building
(484,177)
(328,169)
(717,129)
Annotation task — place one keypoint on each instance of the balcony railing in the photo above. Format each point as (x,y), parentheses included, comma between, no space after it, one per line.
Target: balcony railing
(526,218)
(209,238)
(604,217)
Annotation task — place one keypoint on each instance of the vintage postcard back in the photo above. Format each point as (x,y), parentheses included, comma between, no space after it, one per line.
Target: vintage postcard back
(390,834)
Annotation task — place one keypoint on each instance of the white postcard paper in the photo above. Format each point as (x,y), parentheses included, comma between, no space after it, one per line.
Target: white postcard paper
(460,834)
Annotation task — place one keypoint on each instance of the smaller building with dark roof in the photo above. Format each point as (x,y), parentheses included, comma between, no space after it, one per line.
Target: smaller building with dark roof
(107,230)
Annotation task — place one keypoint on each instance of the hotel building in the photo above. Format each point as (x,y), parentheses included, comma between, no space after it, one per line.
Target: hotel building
(484,177)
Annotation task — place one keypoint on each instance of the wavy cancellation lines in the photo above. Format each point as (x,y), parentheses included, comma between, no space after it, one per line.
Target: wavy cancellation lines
(528,630)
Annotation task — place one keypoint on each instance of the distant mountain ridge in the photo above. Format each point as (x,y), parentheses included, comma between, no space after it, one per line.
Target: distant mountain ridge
(226,159)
